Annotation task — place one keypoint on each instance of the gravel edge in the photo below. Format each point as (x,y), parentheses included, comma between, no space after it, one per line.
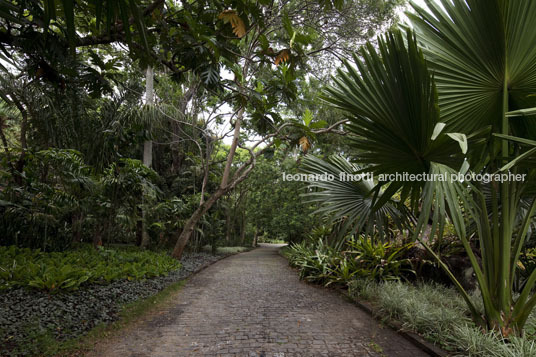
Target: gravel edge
(73,315)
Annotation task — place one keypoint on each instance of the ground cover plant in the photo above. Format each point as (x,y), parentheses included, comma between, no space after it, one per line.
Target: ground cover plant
(360,258)
(37,321)
(56,271)
(435,311)
(440,315)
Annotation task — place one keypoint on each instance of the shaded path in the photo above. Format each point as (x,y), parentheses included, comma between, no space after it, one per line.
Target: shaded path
(253,304)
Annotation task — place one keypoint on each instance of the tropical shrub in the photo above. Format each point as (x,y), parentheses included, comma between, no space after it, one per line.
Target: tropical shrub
(379,261)
(362,258)
(61,197)
(23,267)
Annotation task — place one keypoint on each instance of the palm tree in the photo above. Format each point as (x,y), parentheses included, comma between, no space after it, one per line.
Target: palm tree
(466,71)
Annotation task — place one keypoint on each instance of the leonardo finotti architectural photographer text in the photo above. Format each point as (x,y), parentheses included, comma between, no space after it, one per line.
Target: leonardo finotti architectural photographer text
(407,177)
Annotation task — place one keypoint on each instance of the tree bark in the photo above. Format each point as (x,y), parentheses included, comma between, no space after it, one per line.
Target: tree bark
(228,224)
(255,237)
(76,222)
(225,187)
(243,229)
(232,150)
(206,168)
(97,238)
(147,148)
(23,144)
(190,225)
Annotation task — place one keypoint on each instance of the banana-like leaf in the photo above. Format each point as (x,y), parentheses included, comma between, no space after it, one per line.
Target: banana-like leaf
(65,11)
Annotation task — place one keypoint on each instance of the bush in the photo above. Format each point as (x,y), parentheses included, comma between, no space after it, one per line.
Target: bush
(363,258)
(225,250)
(23,267)
(264,239)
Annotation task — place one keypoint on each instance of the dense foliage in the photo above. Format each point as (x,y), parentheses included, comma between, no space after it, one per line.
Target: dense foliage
(360,259)
(163,124)
(449,96)
(22,267)
(76,122)
(115,120)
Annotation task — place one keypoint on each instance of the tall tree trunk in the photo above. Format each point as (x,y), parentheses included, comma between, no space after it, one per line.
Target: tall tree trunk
(23,144)
(228,224)
(97,237)
(243,229)
(206,168)
(147,148)
(232,150)
(255,237)
(76,222)
(189,227)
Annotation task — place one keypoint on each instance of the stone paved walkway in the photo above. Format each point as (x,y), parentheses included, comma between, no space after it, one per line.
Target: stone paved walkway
(253,304)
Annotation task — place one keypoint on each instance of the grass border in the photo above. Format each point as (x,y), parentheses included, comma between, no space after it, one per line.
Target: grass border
(396,325)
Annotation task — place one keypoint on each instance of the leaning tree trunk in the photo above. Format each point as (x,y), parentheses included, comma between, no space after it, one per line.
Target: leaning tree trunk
(225,186)
(190,225)
(228,225)
(243,229)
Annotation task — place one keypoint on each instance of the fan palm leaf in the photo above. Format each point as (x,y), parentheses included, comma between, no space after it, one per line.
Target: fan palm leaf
(477,50)
(348,199)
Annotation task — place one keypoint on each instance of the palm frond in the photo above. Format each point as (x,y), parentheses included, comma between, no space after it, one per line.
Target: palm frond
(474,47)
(350,201)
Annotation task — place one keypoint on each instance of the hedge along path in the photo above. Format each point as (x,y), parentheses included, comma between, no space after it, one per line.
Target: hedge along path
(253,304)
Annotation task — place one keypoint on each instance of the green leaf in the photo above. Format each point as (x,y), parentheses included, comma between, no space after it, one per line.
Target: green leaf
(522,112)
(465,167)
(516,139)
(472,47)
(518,159)
(319,124)
(437,130)
(349,198)
(307,117)
(461,139)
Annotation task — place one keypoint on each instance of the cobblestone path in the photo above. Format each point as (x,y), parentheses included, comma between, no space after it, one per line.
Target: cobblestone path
(253,304)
